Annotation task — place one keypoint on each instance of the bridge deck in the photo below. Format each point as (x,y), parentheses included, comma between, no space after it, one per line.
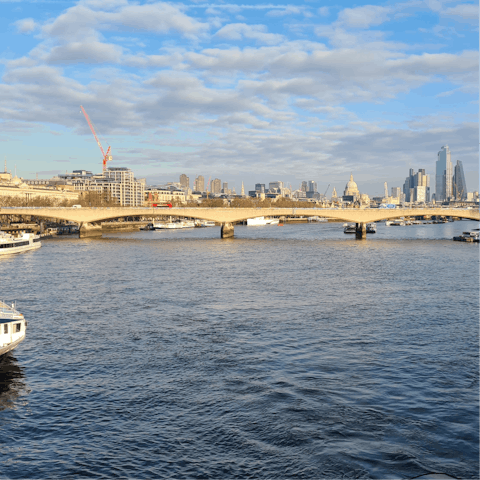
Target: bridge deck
(232,215)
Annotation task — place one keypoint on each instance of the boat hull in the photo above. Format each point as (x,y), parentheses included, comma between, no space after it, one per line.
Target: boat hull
(11,346)
(23,248)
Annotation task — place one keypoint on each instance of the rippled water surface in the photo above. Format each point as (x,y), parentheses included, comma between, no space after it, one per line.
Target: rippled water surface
(287,352)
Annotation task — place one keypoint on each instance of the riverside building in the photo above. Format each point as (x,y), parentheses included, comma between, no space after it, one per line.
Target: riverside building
(163,194)
(118,181)
(30,190)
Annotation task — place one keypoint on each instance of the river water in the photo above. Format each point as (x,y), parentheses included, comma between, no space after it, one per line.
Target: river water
(287,352)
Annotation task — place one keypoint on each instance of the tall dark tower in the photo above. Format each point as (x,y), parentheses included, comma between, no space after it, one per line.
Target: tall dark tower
(459,185)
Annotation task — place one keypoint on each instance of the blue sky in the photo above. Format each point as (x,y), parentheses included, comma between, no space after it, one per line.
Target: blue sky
(248,91)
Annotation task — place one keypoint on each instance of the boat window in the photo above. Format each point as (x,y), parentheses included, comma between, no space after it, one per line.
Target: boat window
(17,327)
(5,328)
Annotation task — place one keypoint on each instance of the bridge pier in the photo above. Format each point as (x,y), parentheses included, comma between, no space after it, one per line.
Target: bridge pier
(227,230)
(87,230)
(361,231)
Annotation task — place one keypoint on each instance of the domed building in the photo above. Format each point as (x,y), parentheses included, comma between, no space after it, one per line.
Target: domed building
(351,192)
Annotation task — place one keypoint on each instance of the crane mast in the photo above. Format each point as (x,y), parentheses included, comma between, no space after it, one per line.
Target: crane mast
(106,156)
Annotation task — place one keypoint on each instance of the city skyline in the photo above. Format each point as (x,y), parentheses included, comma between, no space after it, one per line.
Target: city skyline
(416,188)
(241,91)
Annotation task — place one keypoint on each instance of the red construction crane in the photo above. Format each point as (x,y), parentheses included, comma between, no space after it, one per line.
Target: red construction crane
(106,156)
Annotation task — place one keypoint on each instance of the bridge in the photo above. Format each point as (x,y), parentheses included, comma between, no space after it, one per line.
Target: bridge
(89,218)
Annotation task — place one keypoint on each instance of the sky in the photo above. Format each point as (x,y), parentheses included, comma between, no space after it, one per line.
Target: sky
(248,91)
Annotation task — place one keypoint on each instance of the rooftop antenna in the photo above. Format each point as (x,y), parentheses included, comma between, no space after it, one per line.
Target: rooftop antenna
(5,168)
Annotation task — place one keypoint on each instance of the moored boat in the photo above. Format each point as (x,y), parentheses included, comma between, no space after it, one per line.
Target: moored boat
(205,223)
(350,228)
(260,221)
(395,223)
(371,228)
(174,225)
(12,327)
(18,243)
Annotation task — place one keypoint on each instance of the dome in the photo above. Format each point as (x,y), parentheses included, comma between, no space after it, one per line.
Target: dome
(351,187)
(16,180)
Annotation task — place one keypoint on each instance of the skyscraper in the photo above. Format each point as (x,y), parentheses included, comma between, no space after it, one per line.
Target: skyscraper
(199,184)
(417,186)
(396,192)
(312,186)
(216,186)
(443,175)
(459,185)
(184,181)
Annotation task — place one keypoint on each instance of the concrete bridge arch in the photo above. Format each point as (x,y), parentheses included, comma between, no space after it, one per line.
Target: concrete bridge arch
(227,216)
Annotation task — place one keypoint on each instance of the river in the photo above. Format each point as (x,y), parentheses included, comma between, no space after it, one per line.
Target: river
(286,352)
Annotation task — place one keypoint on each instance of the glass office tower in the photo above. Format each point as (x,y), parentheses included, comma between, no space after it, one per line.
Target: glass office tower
(443,175)
(459,185)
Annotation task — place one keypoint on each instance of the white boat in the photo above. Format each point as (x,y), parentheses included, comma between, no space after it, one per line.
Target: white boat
(18,243)
(205,223)
(259,221)
(12,327)
(371,228)
(350,228)
(174,225)
(395,223)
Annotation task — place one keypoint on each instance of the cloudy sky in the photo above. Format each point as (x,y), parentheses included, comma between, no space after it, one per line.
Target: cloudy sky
(248,91)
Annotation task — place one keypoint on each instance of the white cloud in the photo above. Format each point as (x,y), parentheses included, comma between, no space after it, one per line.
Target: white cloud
(81,20)
(364,17)
(324,11)
(288,10)
(157,17)
(467,11)
(92,52)
(26,25)
(239,31)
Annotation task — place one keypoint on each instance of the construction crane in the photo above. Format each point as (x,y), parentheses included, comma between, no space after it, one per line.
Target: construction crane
(208,184)
(106,156)
(325,194)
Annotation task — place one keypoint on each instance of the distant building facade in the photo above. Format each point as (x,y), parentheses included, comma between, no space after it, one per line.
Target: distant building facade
(396,192)
(162,195)
(199,184)
(119,182)
(459,185)
(27,190)
(417,187)
(443,175)
(216,186)
(351,192)
(184,181)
